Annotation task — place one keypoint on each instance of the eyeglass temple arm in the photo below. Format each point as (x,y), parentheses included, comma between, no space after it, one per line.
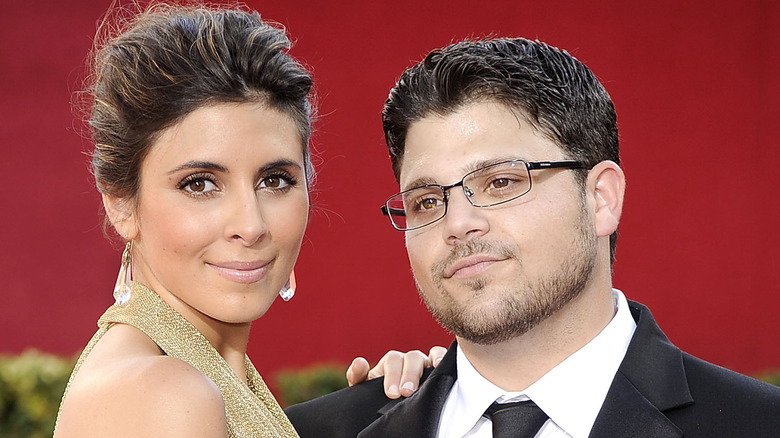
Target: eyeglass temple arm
(569,164)
(394,211)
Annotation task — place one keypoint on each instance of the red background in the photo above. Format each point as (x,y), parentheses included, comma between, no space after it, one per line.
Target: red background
(697,90)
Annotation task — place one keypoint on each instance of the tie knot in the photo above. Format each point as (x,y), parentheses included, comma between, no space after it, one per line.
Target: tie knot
(520,406)
(517,419)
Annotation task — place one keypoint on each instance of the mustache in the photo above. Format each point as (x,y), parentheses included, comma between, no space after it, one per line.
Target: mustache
(471,247)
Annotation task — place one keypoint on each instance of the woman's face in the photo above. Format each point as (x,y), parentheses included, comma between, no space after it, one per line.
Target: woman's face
(221,212)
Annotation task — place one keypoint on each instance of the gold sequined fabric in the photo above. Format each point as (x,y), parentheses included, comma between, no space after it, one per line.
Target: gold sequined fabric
(250,408)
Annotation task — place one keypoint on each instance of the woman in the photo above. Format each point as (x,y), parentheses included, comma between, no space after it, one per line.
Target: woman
(201,122)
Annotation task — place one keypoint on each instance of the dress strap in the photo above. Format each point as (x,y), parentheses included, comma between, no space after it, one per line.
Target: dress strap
(251,410)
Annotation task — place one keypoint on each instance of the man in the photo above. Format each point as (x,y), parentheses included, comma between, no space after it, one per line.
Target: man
(506,152)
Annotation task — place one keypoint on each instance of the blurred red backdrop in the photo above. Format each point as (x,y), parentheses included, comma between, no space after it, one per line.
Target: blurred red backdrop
(697,90)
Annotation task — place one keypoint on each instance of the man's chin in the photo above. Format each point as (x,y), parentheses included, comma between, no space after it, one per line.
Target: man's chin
(487,337)
(485,325)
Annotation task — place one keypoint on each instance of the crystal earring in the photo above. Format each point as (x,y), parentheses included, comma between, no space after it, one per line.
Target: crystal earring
(122,286)
(288,290)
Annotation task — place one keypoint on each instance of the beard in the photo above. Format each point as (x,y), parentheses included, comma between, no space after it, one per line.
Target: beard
(521,306)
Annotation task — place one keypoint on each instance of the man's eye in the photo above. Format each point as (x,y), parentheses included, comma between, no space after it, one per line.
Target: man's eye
(500,183)
(427,204)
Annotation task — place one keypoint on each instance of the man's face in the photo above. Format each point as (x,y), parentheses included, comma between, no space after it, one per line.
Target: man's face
(490,274)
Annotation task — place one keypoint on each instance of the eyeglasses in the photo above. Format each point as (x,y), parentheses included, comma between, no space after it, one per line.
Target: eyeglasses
(491,185)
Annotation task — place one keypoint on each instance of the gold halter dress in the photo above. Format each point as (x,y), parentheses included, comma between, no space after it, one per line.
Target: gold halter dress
(250,408)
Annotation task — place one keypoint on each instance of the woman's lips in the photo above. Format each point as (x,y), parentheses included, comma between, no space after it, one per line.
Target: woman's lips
(241,272)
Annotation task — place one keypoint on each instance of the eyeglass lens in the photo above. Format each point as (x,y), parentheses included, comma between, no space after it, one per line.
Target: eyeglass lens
(488,186)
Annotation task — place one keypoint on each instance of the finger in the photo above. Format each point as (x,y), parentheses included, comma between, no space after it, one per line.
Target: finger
(415,362)
(436,354)
(357,371)
(391,365)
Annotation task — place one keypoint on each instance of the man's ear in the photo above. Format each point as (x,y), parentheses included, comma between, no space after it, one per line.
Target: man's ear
(121,214)
(607,184)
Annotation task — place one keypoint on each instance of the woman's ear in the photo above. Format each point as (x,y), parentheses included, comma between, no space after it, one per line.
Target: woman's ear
(121,213)
(607,183)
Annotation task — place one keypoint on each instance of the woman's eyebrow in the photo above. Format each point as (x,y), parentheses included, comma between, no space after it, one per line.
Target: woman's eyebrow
(208,165)
(280,163)
(199,165)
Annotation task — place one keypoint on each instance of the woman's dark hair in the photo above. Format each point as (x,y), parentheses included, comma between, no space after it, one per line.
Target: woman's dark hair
(171,60)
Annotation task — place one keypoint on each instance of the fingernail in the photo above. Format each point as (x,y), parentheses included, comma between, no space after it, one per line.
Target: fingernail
(408,386)
(437,360)
(393,390)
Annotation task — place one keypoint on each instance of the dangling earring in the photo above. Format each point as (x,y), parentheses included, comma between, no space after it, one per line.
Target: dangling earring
(122,286)
(288,290)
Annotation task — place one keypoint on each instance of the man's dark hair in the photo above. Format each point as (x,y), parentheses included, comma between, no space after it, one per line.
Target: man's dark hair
(553,91)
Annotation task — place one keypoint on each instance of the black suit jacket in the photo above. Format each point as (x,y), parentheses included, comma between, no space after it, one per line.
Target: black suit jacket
(658,391)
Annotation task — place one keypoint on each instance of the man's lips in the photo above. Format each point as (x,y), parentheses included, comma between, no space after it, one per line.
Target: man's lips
(240,271)
(472,265)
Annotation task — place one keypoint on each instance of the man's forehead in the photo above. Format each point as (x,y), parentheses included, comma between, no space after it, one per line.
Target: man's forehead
(441,149)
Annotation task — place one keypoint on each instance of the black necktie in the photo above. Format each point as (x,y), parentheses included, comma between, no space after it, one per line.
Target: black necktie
(516,420)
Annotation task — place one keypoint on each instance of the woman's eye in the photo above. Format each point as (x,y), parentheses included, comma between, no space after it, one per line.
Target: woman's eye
(199,186)
(274,182)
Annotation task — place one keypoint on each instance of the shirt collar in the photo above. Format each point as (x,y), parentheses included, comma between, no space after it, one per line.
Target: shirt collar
(572,393)
(471,395)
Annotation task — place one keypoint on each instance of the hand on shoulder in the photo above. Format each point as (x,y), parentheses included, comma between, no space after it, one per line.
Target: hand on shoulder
(402,371)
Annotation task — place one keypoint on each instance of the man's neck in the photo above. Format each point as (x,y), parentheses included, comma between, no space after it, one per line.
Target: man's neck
(516,364)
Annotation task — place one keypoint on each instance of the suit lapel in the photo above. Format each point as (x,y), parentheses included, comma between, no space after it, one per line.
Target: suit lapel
(627,413)
(651,379)
(419,414)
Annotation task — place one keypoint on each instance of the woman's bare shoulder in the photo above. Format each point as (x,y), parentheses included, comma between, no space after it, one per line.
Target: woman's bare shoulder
(138,391)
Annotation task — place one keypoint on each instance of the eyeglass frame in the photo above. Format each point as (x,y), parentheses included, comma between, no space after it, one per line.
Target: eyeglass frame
(529,166)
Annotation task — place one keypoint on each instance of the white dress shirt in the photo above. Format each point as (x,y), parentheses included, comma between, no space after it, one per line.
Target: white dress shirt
(571,394)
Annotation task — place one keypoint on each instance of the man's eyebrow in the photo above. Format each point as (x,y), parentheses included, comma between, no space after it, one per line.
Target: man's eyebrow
(422,181)
(207,165)
(476,165)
